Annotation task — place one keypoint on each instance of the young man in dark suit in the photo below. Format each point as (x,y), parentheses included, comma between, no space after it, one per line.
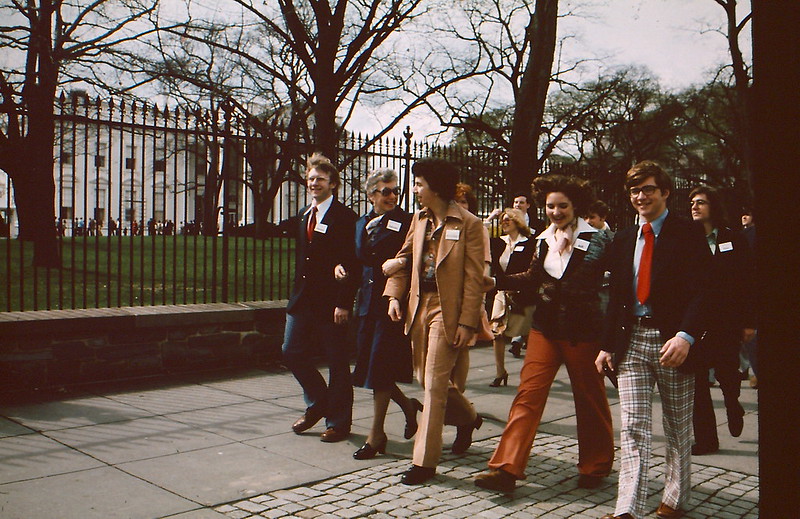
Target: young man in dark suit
(319,308)
(656,312)
(734,320)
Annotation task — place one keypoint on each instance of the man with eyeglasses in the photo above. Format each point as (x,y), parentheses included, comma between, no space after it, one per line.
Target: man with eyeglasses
(319,307)
(656,312)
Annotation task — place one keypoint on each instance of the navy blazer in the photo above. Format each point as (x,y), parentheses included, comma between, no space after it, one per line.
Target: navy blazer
(372,252)
(315,287)
(569,307)
(732,290)
(679,283)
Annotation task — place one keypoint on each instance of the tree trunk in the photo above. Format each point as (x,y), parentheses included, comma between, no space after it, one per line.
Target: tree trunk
(523,160)
(34,187)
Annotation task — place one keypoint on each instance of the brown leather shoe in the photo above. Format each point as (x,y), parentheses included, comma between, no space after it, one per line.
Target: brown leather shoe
(612,516)
(498,480)
(332,435)
(308,420)
(667,512)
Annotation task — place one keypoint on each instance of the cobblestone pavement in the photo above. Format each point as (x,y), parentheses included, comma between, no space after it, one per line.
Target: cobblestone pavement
(550,491)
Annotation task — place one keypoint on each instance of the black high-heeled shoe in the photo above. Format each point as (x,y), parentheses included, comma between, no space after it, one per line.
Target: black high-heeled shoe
(367,451)
(500,380)
(411,421)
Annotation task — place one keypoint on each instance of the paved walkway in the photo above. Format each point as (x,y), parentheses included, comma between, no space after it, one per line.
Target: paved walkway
(220,446)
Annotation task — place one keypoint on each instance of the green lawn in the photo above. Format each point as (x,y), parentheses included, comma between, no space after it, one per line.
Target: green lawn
(101,272)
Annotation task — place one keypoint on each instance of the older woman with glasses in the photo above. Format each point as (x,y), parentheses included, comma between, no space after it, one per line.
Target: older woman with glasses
(384,351)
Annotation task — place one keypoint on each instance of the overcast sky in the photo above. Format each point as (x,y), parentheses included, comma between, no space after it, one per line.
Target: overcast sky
(671,37)
(674,39)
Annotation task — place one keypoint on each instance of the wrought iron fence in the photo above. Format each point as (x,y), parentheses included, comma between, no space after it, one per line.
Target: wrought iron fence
(160,207)
(174,207)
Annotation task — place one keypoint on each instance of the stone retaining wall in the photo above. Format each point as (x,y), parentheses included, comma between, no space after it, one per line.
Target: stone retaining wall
(54,348)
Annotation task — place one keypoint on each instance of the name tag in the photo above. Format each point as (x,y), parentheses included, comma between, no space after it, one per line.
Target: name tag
(519,248)
(321,228)
(725,247)
(393,225)
(452,234)
(581,244)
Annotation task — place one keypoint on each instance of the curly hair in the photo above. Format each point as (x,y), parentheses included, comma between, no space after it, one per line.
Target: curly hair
(579,191)
(441,175)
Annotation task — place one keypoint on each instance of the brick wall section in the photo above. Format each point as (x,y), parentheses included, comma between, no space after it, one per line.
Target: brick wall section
(54,348)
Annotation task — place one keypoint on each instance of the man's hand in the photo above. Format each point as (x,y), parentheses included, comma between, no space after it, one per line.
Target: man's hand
(674,352)
(339,273)
(604,359)
(463,336)
(392,265)
(748,334)
(488,283)
(395,311)
(340,315)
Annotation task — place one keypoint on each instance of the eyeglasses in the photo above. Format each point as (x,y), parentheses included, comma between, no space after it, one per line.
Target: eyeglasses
(386,191)
(647,190)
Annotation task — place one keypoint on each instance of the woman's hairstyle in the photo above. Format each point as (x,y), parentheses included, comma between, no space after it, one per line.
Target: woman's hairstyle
(441,176)
(323,163)
(385,175)
(647,168)
(465,190)
(518,217)
(717,210)
(579,191)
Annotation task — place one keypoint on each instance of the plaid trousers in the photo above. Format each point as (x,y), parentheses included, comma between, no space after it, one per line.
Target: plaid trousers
(637,374)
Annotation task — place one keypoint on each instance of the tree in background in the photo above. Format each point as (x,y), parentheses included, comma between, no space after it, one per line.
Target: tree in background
(48,43)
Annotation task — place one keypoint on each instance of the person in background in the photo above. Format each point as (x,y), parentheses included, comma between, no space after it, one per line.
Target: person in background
(660,270)
(749,352)
(521,201)
(597,215)
(319,307)
(466,198)
(512,311)
(384,352)
(439,291)
(734,321)
(566,329)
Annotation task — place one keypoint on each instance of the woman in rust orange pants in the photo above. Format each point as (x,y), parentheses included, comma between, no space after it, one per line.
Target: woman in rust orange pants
(567,273)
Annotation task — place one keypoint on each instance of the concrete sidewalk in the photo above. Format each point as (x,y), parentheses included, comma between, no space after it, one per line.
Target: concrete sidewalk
(221,446)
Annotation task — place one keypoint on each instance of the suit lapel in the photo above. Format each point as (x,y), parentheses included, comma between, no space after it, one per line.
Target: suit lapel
(445,245)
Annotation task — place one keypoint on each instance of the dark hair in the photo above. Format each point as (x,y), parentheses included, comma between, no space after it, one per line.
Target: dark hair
(519,194)
(599,208)
(647,168)
(465,190)
(719,215)
(579,191)
(441,176)
(323,163)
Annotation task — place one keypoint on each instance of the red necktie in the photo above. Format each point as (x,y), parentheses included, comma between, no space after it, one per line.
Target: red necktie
(312,223)
(643,284)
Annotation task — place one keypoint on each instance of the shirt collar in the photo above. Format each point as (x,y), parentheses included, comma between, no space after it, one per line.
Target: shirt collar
(322,207)
(656,224)
(582,227)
